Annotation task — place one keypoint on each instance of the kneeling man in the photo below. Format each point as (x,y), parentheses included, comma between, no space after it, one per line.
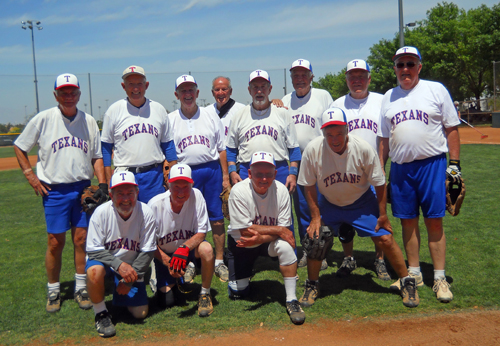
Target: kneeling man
(260,210)
(182,218)
(121,242)
(344,166)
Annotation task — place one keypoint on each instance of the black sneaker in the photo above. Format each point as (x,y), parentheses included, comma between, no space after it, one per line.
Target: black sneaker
(104,325)
(297,315)
(409,293)
(83,299)
(205,306)
(348,265)
(381,270)
(310,294)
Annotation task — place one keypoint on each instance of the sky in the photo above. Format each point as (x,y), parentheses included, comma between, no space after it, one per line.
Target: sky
(97,40)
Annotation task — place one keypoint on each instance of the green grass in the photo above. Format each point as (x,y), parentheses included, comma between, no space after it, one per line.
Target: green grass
(473,265)
(9,152)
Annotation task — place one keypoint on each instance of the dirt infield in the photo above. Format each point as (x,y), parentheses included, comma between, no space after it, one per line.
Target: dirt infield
(467,136)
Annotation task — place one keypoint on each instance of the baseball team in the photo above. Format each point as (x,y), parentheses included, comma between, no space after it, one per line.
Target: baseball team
(164,174)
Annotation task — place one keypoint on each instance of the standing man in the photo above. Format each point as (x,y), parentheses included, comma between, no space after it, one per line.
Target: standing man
(200,143)
(260,209)
(344,167)
(136,130)
(224,107)
(362,110)
(305,106)
(181,214)
(69,153)
(121,244)
(419,125)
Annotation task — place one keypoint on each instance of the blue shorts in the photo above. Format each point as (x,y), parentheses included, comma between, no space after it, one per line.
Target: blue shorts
(362,215)
(207,178)
(140,298)
(240,260)
(150,183)
(163,277)
(63,207)
(417,184)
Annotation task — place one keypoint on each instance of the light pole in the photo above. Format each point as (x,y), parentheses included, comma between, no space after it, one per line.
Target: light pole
(30,24)
(107,103)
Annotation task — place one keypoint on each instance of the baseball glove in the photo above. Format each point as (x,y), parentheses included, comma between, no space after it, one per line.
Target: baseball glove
(224,196)
(93,196)
(346,233)
(319,247)
(455,193)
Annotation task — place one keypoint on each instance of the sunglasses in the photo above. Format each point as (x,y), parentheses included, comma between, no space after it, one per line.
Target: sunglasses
(409,64)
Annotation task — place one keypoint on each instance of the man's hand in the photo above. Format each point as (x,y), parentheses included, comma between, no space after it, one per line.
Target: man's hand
(176,274)
(291,183)
(249,237)
(127,273)
(278,103)
(287,236)
(453,172)
(178,261)
(225,182)
(384,223)
(122,288)
(313,229)
(41,189)
(235,178)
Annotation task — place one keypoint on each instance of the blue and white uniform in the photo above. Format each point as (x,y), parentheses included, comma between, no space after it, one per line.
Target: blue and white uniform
(226,119)
(66,149)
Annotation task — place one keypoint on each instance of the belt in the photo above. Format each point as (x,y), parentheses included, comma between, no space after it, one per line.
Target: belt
(143,168)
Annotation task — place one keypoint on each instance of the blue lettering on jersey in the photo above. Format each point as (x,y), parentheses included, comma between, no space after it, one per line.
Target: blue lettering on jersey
(264,220)
(406,115)
(66,142)
(174,236)
(261,130)
(192,140)
(339,177)
(123,243)
(305,119)
(140,128)
(362,123)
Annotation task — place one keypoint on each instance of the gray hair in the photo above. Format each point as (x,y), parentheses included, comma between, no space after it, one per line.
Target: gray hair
(227,78)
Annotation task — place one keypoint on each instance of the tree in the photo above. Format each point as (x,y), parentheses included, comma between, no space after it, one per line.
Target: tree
(334,83)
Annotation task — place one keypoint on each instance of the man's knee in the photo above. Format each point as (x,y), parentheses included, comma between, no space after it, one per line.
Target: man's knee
(139,312)
(96,274)
(80,236)
(55,242)
(284,251)
(205,251)
(239,289)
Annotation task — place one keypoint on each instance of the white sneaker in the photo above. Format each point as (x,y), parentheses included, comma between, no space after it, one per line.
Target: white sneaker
(442,289)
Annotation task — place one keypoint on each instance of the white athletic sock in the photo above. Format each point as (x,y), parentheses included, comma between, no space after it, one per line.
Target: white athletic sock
(217,262)
(80,281)
(290,288)
(439,274)
(55,287)
(414,270)
(99,307)
(205,290)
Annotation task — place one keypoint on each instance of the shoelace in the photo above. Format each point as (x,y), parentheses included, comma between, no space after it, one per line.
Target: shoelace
(204,301)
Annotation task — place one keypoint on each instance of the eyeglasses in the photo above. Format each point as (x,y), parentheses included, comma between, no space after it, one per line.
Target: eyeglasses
(409,64)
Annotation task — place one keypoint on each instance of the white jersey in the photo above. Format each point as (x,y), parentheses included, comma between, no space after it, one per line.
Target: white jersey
(226,119)
(174,229)
(136,133)
(247,207)
(342,179)
(414,121)
(124,239)
(199,139)
(306,113)
(65,148)
(363,116)
(271,130)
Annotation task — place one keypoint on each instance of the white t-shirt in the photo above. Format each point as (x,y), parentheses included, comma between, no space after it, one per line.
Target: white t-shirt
(199,139)
(65,148)
(414,121)
(226,119)
(136,133)
(342,179)
(247,207)
(306,113)
(270,130)
(124,239)
(174,229)
(363,116)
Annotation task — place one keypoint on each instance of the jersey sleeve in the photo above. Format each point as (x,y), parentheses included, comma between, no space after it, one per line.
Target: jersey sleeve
(450,115)
(219,133)
(232,140)
(307,173)
(284,216)
(149,232)
(97,141)
(238,209)
(30,135)
(166,135)
(385,124)
(107,128)
(372,167)
(202,214)
(291,132)
(95,234)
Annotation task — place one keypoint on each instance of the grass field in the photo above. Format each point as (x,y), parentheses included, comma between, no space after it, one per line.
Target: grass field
(9,151)
(473,265)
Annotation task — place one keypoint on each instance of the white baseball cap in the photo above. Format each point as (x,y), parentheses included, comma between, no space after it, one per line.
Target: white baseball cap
(333,116)
(262,156)
(134,69)
(407,50)
(185,78)
(180,171)
(123,178)
(302,63)
(357,64)
(66,79)
(259,74)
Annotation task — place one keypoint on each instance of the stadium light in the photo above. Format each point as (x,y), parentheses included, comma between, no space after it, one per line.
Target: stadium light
(30,24)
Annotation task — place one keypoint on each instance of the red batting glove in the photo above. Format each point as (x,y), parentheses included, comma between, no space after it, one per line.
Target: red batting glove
(179,258)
